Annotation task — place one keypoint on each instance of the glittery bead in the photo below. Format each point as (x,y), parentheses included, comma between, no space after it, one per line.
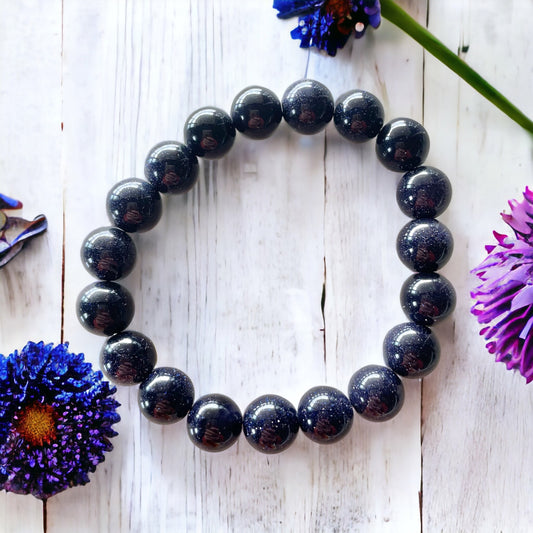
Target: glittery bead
(427,298)
(411,350)
(376,393)
(105,308)
(171,167)
(209,132)
(325,414)
(424,245)
(270,423)
(307,106)
(108,253)
(134,205)
(214,422)
(256,112)
(358,116)
(166,395)
(402,144)
(424,192)
(128,357)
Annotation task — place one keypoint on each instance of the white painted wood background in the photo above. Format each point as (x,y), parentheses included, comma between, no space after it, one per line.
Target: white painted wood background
(229,284)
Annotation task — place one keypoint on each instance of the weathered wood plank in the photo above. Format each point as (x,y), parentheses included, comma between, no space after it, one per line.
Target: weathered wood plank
(477,462)
(30,170)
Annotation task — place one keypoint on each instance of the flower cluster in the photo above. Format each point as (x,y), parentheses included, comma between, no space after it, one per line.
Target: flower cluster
(504,299)
(56,415)
(327,24)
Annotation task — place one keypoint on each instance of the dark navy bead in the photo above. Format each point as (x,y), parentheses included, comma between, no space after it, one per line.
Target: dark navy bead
(358,116)
(171,167)
(134,205)
(325,414)
(424,192)
(166,395)
(376,393)
(209,132)
(214,422)
(270,423)
(411,350)
(424,245)
(128,357)
(402,144)
(427,298)
(307,106)
(105,308)
(256,112)
(108,253)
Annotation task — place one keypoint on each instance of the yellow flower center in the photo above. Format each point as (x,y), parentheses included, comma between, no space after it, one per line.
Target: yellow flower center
(37,424)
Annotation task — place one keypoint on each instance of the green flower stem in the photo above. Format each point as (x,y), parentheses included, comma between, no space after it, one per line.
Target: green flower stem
(395,14)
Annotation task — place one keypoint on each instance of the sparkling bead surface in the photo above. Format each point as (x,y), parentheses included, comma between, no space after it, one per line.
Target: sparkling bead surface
(424,245)
(105,308)
(307,106)
(270,423)
(411,350)
(214,422)
(358,116)
(402,144)
(134,205)
(424,192)
(325,414)
(108,253)
(376,393)
(128,357)
(171,167)
(427,298)
(256,112)
(209,132)
(166,395)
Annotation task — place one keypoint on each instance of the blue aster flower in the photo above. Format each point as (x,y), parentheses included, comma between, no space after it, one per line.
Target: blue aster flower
(56,417)
(327,24)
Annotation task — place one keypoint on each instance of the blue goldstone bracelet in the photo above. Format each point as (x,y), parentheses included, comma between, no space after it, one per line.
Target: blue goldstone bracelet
(270,423)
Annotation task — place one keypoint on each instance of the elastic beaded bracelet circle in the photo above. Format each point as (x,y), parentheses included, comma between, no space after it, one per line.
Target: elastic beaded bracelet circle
(270,423)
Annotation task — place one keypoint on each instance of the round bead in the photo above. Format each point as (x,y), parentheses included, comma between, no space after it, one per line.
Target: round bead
(108,253)
(134,205)
(128,357)
(411,350)
(214,422)
(166,395)
(424,245)
(427,298)
(358,116)
(105,308)
(376,393)
(402,144)
(209,132)
(307,106)
(256,112)
(270,423)
(171,167)
(424,192)
(325,414)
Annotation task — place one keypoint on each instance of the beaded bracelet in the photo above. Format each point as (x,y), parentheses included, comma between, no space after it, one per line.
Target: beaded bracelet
(270,423)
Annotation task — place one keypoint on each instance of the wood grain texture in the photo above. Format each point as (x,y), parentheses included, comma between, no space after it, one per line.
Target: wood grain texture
(229,284)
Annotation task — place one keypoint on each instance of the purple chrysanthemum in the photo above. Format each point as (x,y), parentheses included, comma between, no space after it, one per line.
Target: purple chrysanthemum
(56,415)
(504,299)
(327,24)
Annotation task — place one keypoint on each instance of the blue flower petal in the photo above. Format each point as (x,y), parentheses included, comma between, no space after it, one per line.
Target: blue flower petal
(294,8)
